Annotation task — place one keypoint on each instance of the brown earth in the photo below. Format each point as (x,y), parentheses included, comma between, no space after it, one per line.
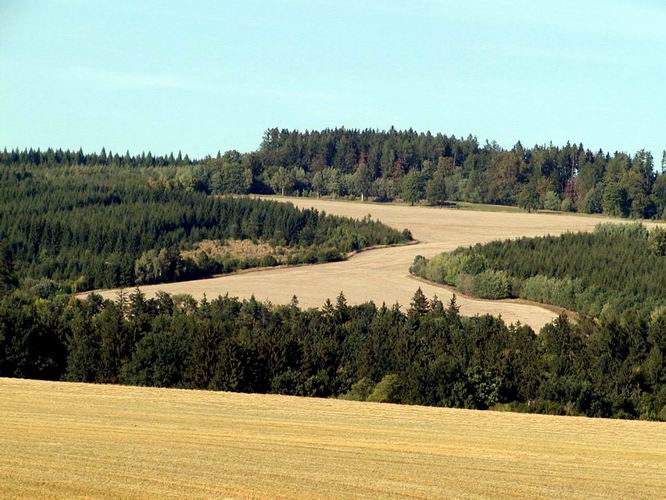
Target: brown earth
(382,275)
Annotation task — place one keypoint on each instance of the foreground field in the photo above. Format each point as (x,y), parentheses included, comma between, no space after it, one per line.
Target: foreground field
(64,439)
(382,275)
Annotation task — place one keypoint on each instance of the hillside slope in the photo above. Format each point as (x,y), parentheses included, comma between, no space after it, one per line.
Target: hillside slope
(65,439)
(383,275)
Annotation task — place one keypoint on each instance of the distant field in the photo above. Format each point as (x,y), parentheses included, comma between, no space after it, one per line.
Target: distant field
(64,440)
(383,274)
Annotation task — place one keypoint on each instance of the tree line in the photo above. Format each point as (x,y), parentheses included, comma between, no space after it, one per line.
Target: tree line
(618,267)
(427,355)
(100,226)
(436,167)
(59,157)
(407,165)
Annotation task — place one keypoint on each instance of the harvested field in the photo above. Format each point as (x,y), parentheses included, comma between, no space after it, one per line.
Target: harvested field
(382,275)
(65,440)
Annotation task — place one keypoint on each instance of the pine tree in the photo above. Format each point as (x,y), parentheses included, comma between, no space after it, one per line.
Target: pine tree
(341,308)
(7,279)
(419,304)
(83,360)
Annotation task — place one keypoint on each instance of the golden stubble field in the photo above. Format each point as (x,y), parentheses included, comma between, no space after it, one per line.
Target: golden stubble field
(382,275)
(76,440)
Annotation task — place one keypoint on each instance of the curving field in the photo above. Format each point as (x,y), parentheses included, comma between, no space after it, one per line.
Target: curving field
(79,440)
(382,275)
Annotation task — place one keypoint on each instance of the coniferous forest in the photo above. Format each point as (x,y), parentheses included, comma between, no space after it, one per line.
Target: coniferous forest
(409,166)
(79,227)
(618,267)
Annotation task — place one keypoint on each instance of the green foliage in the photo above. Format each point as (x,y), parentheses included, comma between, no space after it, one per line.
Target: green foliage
(566,205)
(361,181)
(360,391)
(384,189)
(609,230)
(610,367)
(562,292)
(227,175)
(7,278)
(105,226)
(614,201)
(467,271)
(488,284)
(283,180)
(443,268)
(617,267)
(551,201)
(528,198)
(474,264)
(155,266)
(592,202)
(418,266)
(387,390)
(659,194)
(657,241)
(412,187)
(159,361)
(436,188)
(360,163)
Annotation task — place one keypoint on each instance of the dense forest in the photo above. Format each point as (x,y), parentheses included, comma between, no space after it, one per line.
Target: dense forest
(618,267)
(428,355)
(415,166)
(78,227)
(411,166)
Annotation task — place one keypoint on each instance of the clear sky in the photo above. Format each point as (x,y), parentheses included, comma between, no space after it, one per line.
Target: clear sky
(203,76)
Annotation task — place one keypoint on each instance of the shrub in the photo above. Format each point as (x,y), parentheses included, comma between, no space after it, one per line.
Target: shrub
(418,266)
(551,201)
(360,391)
(268,261)
(561,292)
(491,284)
(466,283)
(329,255)
(286,382)
(566,205)
(445,268)
(386,391)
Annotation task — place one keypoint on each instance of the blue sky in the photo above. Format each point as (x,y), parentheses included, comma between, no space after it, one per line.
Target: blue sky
(203,76)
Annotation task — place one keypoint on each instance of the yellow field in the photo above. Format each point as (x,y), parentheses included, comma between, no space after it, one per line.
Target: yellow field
(382,275)
(64,440)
